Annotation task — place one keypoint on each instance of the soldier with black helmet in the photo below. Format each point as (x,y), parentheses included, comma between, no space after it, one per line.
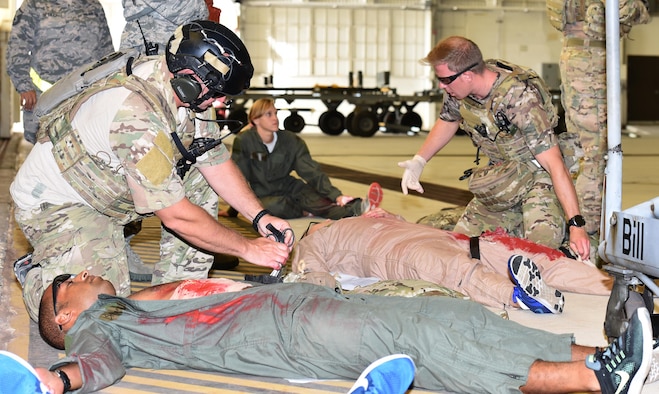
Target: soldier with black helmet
(108,155)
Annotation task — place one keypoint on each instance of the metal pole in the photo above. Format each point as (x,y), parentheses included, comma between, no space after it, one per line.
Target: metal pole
(613,172)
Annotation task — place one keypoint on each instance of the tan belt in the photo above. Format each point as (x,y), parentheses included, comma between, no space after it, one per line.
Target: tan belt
(580,42)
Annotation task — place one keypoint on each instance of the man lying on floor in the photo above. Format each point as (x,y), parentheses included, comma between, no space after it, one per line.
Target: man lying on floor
(307,331)
(380,244)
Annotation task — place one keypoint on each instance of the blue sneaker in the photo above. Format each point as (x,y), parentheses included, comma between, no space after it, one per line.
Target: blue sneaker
(18,377)
(623,366)
(530,291)
(389,375)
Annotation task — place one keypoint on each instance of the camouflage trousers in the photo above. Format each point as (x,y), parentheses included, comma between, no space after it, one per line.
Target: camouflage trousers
(444,219)
(583,72)
(538,218)
(71,238)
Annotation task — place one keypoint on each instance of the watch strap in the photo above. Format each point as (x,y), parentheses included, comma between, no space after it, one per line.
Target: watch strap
(65,379)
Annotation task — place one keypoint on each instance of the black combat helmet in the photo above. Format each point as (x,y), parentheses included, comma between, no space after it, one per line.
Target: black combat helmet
(215,54)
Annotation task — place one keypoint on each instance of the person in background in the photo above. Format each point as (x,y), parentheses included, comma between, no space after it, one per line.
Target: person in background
(150,23)
(507,111)
(49,39)
(583,91)
(267,156)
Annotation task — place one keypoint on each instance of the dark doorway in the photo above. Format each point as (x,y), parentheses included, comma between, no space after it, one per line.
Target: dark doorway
(642,88)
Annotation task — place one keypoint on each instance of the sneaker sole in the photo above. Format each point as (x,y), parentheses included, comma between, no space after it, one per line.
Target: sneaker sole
(636,385)
(526,275)
(375,195)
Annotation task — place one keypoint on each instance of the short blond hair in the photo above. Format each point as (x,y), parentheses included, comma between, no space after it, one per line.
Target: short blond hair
(457,52)
(260,107)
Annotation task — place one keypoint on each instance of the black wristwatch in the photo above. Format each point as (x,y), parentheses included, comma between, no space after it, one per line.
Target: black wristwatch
(576,221)
(65,379)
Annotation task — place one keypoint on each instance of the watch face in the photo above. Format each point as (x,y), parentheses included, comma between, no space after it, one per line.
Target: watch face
(578,221)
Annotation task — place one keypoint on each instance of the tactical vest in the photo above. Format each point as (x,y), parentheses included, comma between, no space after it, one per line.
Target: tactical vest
(102,187)
(485,121)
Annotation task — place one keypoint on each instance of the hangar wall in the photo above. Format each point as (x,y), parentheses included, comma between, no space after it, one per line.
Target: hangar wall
(308,42)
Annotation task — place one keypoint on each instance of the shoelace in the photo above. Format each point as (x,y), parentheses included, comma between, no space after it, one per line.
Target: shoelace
(612,356)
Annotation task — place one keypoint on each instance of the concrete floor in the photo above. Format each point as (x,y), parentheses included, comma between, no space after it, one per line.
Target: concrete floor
(378,155)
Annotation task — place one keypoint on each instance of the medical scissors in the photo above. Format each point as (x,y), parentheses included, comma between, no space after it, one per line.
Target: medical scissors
(280,236)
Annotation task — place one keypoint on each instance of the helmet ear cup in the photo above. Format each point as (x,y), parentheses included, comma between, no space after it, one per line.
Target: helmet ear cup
(186,88)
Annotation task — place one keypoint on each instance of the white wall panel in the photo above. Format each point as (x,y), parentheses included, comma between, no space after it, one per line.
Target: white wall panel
(308,45)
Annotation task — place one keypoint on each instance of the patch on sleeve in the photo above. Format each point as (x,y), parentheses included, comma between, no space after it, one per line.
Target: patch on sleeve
(156,165)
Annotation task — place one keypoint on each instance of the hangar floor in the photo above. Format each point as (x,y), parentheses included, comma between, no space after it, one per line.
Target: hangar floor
(352,163)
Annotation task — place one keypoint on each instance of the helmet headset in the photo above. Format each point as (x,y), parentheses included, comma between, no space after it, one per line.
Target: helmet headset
(215,55)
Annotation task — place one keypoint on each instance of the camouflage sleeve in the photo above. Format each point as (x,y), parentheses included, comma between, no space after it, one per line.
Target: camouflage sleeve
(21,45)
(142,142)
(450,111)
(523,107)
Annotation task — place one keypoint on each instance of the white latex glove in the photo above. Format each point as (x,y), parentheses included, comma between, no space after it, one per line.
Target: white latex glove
(413,169)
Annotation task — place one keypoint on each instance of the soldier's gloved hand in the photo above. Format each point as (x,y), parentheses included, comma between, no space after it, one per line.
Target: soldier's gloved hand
(413,169)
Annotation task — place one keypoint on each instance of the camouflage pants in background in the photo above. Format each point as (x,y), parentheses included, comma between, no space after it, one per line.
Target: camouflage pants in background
(583,72)
(445,219)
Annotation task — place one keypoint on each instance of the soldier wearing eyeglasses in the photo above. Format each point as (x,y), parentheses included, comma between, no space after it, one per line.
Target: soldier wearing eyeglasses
(523,184)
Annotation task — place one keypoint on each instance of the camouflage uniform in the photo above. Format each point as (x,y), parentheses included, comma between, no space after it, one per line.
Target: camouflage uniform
(158,20)
(49,38)
(539,215)
(286,196)
(389,249)
(583,91)
(444,219)
(131,142)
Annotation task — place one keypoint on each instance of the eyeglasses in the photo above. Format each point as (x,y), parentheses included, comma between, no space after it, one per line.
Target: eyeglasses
(304,234)
(449,80)
(57,282)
